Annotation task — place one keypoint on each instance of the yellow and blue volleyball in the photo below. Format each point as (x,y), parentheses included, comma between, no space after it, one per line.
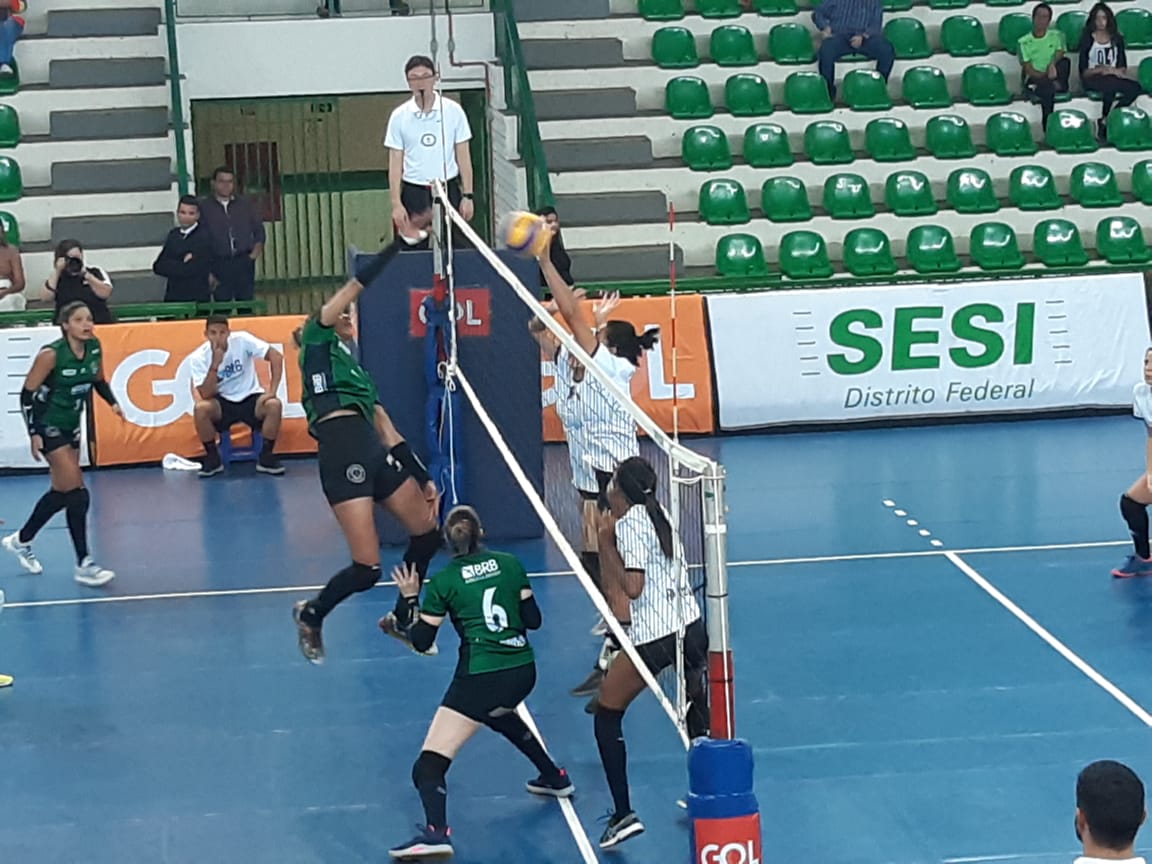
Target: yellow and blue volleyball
(526,234)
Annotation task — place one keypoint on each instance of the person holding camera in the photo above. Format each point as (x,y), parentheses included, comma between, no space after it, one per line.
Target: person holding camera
(71,280)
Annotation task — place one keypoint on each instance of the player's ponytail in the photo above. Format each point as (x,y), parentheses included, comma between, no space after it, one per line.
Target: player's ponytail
(298,337)
(637,480)
(625,342)
(462,531)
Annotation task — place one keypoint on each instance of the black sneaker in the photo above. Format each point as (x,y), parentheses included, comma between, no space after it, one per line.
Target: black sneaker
(310,638)
(269,463)
(428,843)
(558,787)
(620,828)
(589,685)
(211,464)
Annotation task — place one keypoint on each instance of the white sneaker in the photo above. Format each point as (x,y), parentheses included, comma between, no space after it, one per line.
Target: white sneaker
(92,574)
(601,628)
(23,552)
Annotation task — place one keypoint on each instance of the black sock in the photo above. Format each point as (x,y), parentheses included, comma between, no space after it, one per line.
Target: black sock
(1136,515)
(422,548)
(50,503)
(76,511)
(591,563)
(614,756)
(269,445)
(349,581)
(428,775)
(210,449)
(521,737)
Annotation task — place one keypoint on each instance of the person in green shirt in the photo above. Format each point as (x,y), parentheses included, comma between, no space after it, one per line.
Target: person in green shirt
(487,597)
(55,392)
(1042,61)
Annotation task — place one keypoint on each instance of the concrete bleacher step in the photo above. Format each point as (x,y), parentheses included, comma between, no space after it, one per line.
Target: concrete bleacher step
(126,229)
(625,263)
(137,286)
(108,72)
(573,53)
(100,123)
(112,175)
(550,10)
(612,208)
(634,151)
(73,23)
(585,104)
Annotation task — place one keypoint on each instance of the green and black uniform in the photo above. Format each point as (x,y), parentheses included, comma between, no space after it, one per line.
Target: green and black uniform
(58,404)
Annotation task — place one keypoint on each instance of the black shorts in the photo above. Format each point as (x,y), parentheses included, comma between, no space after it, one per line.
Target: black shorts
(417,197)
(490,695)
(603,478)
(232,413)
(353,462)
(54,439)
(661,653)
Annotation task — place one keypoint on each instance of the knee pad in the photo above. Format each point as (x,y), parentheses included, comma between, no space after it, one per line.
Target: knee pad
(1130,506)
(422,548)
(365,576)
(429,770)
(77,499)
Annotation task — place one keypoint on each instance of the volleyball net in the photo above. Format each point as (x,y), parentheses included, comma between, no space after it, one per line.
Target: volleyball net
(690,485)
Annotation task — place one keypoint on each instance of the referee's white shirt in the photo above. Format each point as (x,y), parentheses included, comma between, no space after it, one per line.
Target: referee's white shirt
(666,605)
(428,139)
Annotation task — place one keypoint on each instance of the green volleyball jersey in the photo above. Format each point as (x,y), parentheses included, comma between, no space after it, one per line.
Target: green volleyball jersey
(333,380)
(481,594)
(60,400)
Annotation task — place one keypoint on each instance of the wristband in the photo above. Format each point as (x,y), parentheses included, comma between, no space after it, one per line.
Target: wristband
(406,610)
(26,408)
(468,196)
(410,462)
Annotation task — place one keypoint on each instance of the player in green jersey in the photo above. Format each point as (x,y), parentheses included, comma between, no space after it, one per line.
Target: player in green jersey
(363,460)
(53,399)
(487,597)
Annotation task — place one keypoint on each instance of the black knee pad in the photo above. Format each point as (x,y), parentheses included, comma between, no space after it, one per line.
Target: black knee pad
(77,499)
(365,576)
(422,548)
(1130,506)
(429,770)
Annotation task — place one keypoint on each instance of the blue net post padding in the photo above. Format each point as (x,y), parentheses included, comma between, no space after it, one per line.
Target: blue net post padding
(722,806)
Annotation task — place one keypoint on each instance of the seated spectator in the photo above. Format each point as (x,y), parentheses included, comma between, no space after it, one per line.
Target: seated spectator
(1109,812)
(186,259)
(1045,67)
(224,375)
(72,280)
(852,27)
(11,277)
(11,29)
(1104,65)
(559,255)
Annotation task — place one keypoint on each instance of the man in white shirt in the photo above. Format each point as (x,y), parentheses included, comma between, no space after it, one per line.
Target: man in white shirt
(1109,811)
(224,375)
(427,139)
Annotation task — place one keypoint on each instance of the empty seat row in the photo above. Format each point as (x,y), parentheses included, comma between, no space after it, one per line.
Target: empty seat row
(931,249)
(674,10)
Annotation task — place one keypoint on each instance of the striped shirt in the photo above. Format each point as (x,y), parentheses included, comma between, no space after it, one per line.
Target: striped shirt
(609,428)
(1142,403)
(568,409)
(850,17)
(666,605)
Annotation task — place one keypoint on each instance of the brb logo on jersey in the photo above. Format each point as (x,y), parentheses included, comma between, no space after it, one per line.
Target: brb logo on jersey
(473,312)
(483,570)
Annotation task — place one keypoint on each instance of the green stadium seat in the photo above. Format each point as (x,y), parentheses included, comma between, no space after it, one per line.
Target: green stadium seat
(784,199)
(686,97)
(807,93)
(993,246)
(963,36)
(887,140)
(746,95)
(867,252)
(1010,134)
(674,48)
(791,44)
(804,255)
(722,202)
(866,90)
(766,145)
(908,38)
(732,45)
(705,148)
(9,126)
(1070,131)
(947,4)
(1129,129)
(970,190)
(1056,243)
(1093,184)
(740,255)
(775,7)
(897,5)
(11,182)
(10,227)
(1003,2)
(948,136)
(826,142)
(846,196)
(1071,23)
(1146,74)
(661,10)
(1012,27)
(1120,240)
(932,250)
(1142,181)
(1032,187)
(984,85)
(908,193)
(926,87)
(719,8)
(10,84)
(1136,27)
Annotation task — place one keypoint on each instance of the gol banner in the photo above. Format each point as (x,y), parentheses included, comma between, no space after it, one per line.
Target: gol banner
(147,368)
(652,384)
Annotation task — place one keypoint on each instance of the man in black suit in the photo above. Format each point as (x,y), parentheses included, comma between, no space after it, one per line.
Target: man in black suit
(186,259)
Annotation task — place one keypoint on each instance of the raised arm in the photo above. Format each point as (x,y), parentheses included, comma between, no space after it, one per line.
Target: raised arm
(569,305)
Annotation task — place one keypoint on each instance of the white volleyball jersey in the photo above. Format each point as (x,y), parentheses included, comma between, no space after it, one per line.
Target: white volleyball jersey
(666,605)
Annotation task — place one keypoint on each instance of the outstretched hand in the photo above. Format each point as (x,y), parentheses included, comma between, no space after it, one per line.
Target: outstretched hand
(407,579)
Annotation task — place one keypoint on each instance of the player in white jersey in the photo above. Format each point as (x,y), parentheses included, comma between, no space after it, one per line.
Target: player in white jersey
(1134,503)
(643,559)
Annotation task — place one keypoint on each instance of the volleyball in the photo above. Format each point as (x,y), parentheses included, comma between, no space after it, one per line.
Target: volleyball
(526,234)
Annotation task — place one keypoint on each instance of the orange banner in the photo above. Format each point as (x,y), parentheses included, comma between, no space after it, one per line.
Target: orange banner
(147,368)
(652,386)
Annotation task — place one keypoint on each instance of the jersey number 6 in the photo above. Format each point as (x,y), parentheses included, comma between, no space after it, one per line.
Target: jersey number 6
(496,617)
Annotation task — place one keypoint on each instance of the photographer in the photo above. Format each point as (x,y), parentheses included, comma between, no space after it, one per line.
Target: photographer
(71,281)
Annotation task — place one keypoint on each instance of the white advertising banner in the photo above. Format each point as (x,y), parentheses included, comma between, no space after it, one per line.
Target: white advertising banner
(18,348)
(919,350)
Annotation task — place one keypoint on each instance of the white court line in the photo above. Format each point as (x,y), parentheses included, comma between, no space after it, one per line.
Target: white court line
(1054,643)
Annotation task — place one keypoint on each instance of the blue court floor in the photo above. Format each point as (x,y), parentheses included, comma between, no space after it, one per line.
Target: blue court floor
(908,702)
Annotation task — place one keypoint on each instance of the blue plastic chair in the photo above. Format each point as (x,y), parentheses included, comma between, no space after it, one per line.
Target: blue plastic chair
(229,453)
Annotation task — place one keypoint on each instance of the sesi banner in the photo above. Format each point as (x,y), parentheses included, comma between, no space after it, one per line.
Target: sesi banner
(927,350)
(652,385)
(147,368)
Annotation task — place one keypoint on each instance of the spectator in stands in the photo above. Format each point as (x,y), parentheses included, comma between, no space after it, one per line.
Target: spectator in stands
(237,232)
(72,279)
(852,27)
(11,277)
(1109,812)
(186,259)
(11,29)
(1045,67)
(559,255)
(1104,64)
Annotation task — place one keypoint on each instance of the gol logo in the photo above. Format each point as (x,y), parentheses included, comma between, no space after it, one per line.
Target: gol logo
(729,853)
(473,312)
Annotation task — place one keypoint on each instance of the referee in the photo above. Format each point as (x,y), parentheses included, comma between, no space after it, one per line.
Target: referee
(427,140)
